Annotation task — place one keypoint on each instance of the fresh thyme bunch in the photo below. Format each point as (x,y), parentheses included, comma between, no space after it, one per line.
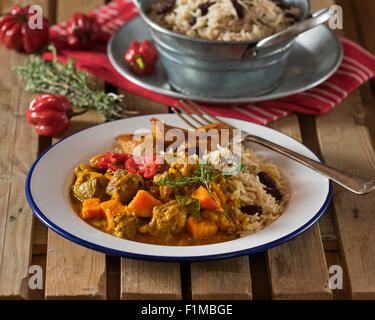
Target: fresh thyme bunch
(54,77)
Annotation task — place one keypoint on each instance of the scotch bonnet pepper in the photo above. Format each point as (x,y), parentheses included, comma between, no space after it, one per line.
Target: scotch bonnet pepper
(19,32)
(50,114)
(141,57)
(82,31)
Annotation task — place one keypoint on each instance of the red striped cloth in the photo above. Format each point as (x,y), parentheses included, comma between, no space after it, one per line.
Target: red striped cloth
(357,67)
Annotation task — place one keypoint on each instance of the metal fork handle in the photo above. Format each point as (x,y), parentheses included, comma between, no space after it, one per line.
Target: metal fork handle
(349,181)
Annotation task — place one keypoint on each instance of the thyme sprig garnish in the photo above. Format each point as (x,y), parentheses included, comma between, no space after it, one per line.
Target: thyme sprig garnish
(55,77)
(203,177)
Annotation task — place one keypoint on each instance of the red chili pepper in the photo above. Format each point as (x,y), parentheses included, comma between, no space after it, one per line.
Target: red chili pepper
(83,31)
(15,31)
(151,170)
(131,166)
(49,114)
(141,57)
(113,161)
(146,166)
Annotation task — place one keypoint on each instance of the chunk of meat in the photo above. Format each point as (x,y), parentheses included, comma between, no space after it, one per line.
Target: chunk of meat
(111,209)
(89,183)
(159,134)
(126,226)
(124,185)
(169,218)
(130,145)
(160,130)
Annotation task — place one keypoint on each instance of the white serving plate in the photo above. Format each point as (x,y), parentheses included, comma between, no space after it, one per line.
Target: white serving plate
(47,190)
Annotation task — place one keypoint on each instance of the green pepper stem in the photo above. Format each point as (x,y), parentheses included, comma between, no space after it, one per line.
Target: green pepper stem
(72,113)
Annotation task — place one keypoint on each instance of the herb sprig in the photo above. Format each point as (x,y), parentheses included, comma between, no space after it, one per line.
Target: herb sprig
(204,177)
(55,77)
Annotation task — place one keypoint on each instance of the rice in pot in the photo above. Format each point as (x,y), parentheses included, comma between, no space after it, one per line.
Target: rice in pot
(226,20)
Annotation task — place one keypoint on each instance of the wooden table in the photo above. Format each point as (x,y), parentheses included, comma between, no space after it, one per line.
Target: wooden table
(298,269)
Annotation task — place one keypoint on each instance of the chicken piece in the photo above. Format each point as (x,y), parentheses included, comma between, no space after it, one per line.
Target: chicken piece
(126,226)
(191,148)
(160,130)
(169,218)
(133,146)
(89,183)
(124,185)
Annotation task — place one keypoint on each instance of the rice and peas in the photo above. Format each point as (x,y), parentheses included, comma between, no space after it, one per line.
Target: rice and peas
(228,20)
(247,189)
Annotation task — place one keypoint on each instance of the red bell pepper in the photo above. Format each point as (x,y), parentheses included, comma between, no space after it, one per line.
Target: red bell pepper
(113,161)
(15,31)
(83,31)
(146,166)
(141,57)
(50,114)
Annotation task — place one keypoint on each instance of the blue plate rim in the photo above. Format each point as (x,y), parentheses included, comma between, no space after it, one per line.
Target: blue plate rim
(125,254)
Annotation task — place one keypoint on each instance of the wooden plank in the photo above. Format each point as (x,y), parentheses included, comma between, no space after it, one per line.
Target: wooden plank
(260,284)
(145,280)
(354,214)
(19,148)
(38,260)
(143,106)
(363,13)
(40,236)
(221,280)
(74,271)
(334,258)
(298,268)
(328,230)
(326,223)
(350,123)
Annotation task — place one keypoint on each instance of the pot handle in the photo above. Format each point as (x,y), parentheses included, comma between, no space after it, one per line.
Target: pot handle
(318,17)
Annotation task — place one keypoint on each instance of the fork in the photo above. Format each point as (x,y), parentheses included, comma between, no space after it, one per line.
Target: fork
(349,181)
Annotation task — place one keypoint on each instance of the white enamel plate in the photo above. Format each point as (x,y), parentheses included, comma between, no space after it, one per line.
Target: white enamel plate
(47,190)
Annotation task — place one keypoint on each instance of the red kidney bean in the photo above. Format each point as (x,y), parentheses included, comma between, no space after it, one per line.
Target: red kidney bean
(166,6)
(239,9)
(276,193)
(204,7)
(192,20)
(252,209)
(265,179)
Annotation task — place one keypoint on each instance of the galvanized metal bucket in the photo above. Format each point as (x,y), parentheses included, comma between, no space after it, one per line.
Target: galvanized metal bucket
(219,68)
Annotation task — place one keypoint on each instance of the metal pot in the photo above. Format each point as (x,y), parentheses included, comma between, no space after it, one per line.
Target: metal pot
(223,69)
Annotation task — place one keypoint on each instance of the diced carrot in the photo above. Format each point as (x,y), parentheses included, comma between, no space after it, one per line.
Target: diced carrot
(206,201)
(143,204)
(91,209)
(200,230)
(111,209)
